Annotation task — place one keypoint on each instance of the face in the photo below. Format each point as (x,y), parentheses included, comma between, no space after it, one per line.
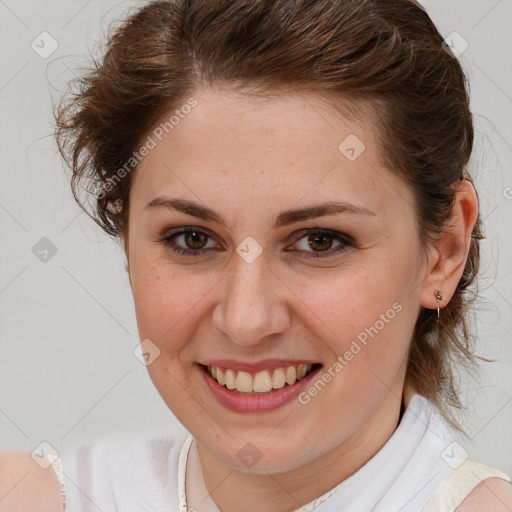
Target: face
(239,259)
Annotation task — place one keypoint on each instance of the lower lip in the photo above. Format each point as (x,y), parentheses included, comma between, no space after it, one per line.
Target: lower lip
(255,403)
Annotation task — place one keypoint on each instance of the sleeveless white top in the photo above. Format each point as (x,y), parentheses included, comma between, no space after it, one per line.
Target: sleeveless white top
(420,468)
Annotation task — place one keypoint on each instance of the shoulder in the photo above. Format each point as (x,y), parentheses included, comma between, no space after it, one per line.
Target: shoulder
(27,486)
(470,486)
(492,494)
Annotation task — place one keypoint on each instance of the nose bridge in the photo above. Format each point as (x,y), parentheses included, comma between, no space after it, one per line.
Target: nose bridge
(250,308)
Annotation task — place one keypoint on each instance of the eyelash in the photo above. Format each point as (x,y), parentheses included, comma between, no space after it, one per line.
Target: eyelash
(345,241)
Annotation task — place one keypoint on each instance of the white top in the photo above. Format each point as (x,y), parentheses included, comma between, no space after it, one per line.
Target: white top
(420,468)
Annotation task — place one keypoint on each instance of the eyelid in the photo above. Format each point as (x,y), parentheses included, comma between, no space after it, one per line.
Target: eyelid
(170,234)
(184,229)
(294,236)
(344,239)
(297,235)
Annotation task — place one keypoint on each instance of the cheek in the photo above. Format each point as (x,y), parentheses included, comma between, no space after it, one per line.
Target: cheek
(165,299)
(346,301)
(365,314)
(365,317)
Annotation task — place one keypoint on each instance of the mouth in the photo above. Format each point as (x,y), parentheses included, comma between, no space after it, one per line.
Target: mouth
(263,382)
(260,387)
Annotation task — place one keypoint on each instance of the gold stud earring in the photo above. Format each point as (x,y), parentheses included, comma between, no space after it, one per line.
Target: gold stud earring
(439,298)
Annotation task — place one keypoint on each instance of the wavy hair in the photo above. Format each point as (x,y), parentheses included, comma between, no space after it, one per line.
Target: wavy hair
(386,58)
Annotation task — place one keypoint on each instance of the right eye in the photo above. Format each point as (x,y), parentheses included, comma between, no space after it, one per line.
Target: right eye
(195,240)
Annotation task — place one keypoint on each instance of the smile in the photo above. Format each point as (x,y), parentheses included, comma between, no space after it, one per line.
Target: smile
(260,382)
(257,388)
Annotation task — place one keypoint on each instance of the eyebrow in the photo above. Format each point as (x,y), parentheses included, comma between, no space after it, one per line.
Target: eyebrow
(284,218)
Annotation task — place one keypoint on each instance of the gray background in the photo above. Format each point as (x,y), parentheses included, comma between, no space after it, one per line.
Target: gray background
(67,370)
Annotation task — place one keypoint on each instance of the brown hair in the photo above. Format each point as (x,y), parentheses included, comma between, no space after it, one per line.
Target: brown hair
(384,56)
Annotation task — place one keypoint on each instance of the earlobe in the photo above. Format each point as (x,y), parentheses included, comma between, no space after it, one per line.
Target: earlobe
(452,248)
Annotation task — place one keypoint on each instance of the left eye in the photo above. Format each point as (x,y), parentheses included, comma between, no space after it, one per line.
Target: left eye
(319,240)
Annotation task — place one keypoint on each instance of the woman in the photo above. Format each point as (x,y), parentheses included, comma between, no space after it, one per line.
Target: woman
(289,183)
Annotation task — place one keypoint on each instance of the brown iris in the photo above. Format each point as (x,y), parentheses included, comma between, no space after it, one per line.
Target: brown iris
(195,239)
(320,242)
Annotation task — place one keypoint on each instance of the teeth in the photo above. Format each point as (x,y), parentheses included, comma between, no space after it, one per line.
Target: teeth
(261,382)
(220,377)
(301,371)
(291,375)
(278,379)
(230,379)
(244,382)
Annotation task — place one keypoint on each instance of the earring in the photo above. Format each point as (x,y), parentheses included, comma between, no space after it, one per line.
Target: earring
(439,298)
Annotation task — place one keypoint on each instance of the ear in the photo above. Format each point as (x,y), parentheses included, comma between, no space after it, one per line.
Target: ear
(451,250)
(127,268)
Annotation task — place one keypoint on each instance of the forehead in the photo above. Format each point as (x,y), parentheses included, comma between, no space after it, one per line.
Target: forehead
(283,146)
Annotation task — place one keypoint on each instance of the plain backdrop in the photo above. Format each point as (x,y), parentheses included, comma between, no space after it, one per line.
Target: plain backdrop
(68,374)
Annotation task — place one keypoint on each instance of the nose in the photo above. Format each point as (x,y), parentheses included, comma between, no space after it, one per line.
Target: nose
(251,307)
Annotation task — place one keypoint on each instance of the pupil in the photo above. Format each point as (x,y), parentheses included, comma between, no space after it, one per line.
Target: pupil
(193,237)
(324,241)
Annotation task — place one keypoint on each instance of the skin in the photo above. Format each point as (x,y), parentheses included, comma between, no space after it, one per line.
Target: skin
(493,494)
(25,485)
(248,159)
(230,153)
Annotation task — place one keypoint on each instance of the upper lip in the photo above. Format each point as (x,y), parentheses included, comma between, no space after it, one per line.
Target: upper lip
(255,366)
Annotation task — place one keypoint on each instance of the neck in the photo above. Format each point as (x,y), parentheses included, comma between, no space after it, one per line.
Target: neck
(233,490)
